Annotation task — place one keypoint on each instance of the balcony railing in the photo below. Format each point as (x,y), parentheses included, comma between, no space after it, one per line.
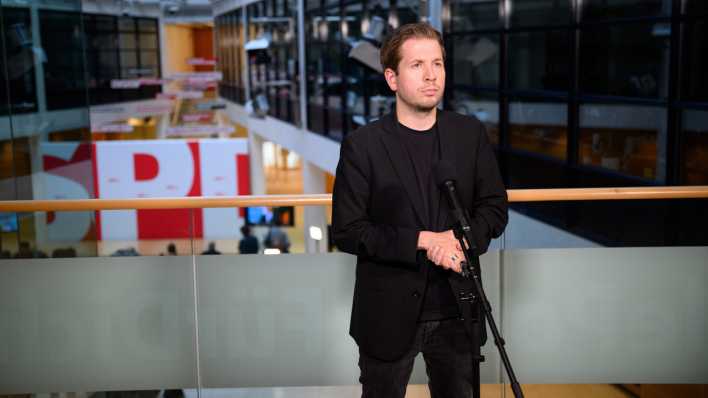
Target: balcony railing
(514,195)
(570,315)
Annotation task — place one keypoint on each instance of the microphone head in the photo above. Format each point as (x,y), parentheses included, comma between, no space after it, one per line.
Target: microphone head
(444,172)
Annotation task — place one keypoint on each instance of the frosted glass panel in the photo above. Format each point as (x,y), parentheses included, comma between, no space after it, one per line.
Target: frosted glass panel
(630,315)
(283,321)
(96,324)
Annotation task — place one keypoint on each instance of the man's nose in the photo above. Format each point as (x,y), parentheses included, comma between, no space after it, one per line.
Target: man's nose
(428,73)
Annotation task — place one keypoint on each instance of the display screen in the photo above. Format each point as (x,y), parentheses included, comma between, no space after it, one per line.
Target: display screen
(261,215)
(8,222)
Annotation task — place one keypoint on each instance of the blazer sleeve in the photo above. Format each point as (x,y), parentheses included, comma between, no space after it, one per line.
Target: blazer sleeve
(489,213)
(352,229)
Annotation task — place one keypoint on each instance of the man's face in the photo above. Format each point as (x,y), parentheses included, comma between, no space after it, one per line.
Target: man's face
(420,81)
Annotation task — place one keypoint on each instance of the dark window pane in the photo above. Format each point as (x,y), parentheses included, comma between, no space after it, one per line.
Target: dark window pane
(147,25)
(696,7)
(695,147)
(127,41)
(104,22)
(623,138)
(626,60)
(539,60)
(19,59)
(603,9)
(695,77)
(475,60)
(148,41)
(102,41)
(107,60)
(126,24)
(148,59)
(64,80)
(485,107)
(539,127)
(407,11)
(473,14)
(312,4)
(128,59)
(540,12)
(351,26)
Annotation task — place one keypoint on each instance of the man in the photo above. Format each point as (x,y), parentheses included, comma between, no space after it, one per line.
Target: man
(211,249)
(249,243)
(276,238)
(409,296)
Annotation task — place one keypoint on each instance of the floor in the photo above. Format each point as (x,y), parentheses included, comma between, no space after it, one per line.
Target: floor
(417,391)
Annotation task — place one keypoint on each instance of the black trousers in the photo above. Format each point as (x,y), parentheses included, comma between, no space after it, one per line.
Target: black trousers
(450,355)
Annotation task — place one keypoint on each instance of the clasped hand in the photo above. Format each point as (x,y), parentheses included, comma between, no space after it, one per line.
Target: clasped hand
(442,248)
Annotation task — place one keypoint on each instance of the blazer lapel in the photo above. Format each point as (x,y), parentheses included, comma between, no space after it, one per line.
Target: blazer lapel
(401,163)
(447,152)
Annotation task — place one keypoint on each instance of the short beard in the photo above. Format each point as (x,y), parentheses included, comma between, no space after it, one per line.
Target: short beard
(419,108)
(424,109)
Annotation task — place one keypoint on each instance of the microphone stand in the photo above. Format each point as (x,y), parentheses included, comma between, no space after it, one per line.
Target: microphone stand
(470,271)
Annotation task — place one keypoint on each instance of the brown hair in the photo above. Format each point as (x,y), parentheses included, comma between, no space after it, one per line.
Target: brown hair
(390,55)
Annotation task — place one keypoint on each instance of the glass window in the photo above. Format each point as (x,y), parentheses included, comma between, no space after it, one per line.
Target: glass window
(623,138)
(113,51)
(148,59)
(128,59)
(695,79)
(475,60)
(104,41)
(127,40)
(147,25)
(539,60)
(625,60)
(274,71)
(473,15)
(126,24)
(381,14)
(407,12)
(540,12)
(484,107)
(539,126)
(314,64)
(603,9)
(62,42)
(107,60)
(19,59)
(102,22)
(696,7)
(351,26)
(695,147)
(148,41)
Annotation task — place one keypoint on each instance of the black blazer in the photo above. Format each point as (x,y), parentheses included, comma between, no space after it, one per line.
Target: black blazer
(377,215)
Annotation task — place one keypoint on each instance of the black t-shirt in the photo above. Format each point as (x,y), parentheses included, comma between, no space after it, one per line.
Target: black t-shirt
(423,149)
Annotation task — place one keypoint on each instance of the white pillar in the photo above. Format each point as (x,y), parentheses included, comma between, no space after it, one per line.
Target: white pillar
(255,155)
(38,53)
(313,182)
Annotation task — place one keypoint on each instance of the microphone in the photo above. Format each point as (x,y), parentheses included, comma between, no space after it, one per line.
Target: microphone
(445,179)
(444,174)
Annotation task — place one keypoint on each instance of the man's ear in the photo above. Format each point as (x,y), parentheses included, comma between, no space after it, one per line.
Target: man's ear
(391,76)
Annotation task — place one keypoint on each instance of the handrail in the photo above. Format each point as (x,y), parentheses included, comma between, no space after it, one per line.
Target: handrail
(515,195)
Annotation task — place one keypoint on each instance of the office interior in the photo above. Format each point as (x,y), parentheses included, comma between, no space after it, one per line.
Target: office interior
(127,99)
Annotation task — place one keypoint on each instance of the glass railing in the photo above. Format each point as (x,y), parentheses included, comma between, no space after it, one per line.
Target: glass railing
(143,309)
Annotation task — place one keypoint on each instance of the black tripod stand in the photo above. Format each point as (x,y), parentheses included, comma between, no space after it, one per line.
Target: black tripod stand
(470,270)
(445,178)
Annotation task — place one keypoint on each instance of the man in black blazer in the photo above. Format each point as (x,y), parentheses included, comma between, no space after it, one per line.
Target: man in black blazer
(409,296)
